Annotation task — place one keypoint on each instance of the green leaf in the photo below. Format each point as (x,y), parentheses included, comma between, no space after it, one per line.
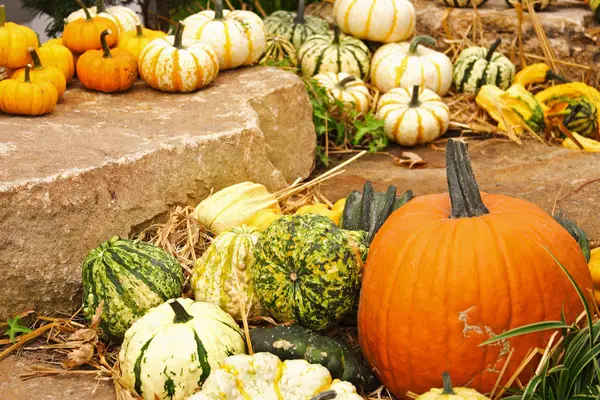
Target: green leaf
(524,330)
(15,327)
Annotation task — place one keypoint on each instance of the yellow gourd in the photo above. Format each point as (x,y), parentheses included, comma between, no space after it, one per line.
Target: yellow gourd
(589,145)
(262,219)
(450,393)
(594,265)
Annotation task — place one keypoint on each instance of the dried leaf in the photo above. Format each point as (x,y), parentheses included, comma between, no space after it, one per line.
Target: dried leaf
(83,335)
(410,160)
(79,356)
(97,315)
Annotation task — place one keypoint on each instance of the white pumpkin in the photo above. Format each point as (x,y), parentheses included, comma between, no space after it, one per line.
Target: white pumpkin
(125,18)
(413,116)
(346,88)
(171,351)
(238,37)
(408,64)
(265,376)
(385,21)
(174,65)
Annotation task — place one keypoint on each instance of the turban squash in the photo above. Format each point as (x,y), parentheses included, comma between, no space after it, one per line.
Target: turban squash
(448,271)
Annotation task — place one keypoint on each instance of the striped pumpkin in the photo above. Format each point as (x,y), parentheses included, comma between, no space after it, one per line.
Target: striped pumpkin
(294,26)
(538,5)
(170,351)
(130,277)
(463,3)
(348,89)
(222,275)
(238,37)
(408,64)
(413,116)
(478,66)
(334,52)
(173,65)
(125,18)
(385,21)
(279,50)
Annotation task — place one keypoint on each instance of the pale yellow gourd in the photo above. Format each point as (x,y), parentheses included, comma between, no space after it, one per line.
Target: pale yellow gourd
(450,393)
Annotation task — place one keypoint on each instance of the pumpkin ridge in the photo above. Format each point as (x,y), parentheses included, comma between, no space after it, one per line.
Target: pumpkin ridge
(394,24)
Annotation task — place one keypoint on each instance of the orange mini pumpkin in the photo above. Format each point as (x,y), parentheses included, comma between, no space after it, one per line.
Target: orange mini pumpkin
(82,35)
(57,55)
(41,72)
(448,271)
(135,41)
(107,70)
(23,97)
(14,41)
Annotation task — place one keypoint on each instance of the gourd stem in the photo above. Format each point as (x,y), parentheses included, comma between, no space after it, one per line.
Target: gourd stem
(412,49)
(27,77)
(462,186)
(218,9)
(37,63)
(327,395)
(37,35)
(336,34)
(414,100)
(572,114)
(178,35)
(493,49)
(342,84)
(299,13)
(448,390)
(139,31)
(2,15)
(181,316)
(100,6)
(88,17)
(105,47)
(553,75)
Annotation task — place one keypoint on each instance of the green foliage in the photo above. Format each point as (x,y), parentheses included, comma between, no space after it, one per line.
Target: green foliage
(14,327)
(341,129)
(57,9)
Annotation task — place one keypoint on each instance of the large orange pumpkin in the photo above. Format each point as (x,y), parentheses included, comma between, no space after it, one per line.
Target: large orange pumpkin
(448,271)
(82,35)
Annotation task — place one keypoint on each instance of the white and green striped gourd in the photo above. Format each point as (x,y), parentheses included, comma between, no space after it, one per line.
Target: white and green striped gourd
(278,50)
(294,26)
(538,5)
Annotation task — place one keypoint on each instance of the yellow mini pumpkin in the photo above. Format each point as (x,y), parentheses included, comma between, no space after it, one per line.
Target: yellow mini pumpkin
(450,393)
(14,41)
(58,56)
(594,265)
(43,73)
(24,97)
(82,35)
(238,37)
(173,65)
(346,88)
(135,41)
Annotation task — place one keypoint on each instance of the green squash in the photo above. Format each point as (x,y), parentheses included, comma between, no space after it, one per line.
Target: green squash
(294,26)
(130,277)
(307,270)
(334,52)
(222,275)
(367,211)
(538,5)
(478,66)
(294,342)
(171,351)
(579,114)
(279,50)
(577,233)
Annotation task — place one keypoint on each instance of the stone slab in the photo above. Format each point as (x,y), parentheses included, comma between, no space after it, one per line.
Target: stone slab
(103,164)
(533,171)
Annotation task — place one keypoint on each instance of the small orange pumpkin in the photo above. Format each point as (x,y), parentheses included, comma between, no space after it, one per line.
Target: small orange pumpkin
(105,70)
(82,35)
(57,55)
(26,97)
(14,41)
(135,41)
(40,73)
(448,271)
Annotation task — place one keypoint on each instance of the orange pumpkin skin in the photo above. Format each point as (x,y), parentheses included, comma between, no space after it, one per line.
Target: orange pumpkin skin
(135,41)
(57,55)
(22,97)
(107,70)
(435,287)
(14,41)
(82,35)
(43,73)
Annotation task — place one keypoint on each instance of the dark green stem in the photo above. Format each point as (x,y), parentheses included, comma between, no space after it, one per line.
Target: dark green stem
(448,390)
(336,34)
(178,35)
(139,31)
(462,186)
(493,49)
(218,9)
(88,17)
(181,316)
(100,6)
(299,13)
(572,114)
(554,76)
(342,84)
(327,395)
(105,47)
(414,100)
(420,40)
(37,63)
(37,35)
(27,77)
(2,15)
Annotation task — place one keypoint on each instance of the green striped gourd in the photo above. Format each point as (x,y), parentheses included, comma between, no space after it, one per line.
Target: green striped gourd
(334,52)
(170,351)
(464,3)
(130,277)
(294,26)
(582,115)
(278,50)
(307,270)
(222,275)
(478,66)
(538,5)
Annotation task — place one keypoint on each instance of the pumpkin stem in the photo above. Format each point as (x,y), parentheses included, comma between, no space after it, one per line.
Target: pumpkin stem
(105,47)
(181,316)
(493,49)
(139,31)
(88,17)
(462,186)
(554,76)
(447,384)
(327,395)
(37,35)
(420,40)
(342,84)
(336,34)
(414,100)
(178,35)
(299,13)
(572,114)
(218,9)
(37,63)
(27,77)
(100,6)
(2,15)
